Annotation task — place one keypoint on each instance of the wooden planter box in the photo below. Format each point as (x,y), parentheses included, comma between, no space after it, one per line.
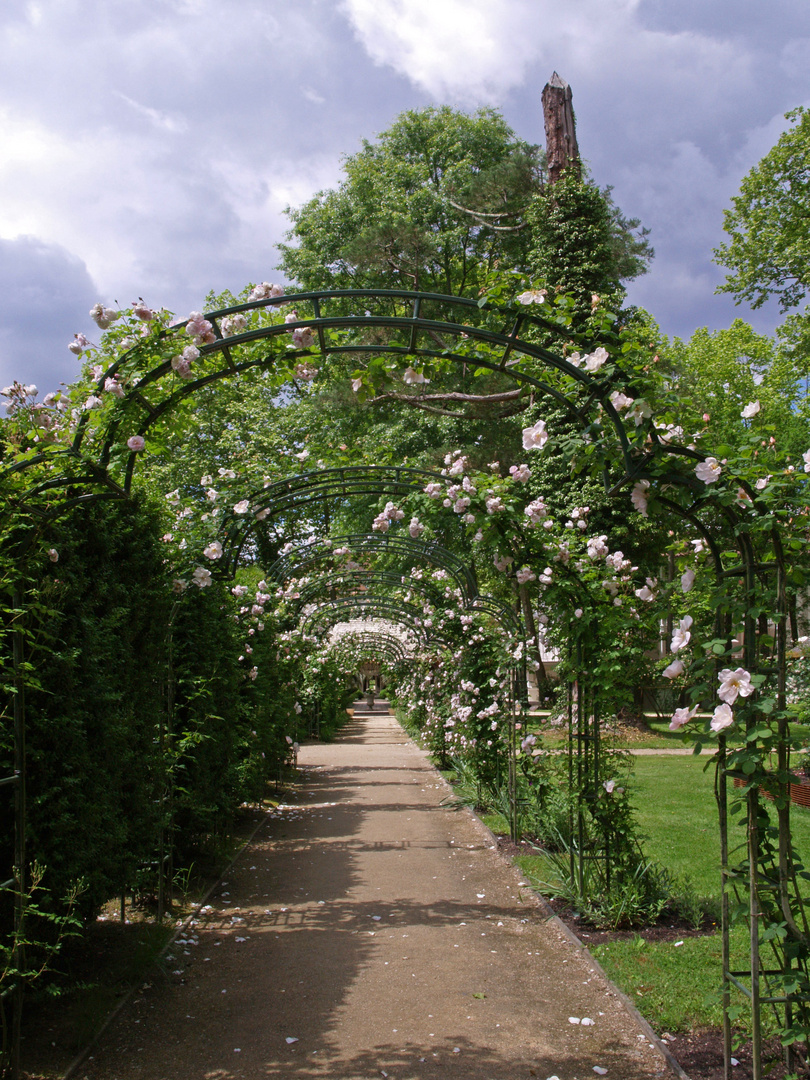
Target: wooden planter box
(799,793)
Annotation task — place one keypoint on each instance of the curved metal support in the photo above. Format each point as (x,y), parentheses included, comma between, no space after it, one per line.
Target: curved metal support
(306,555)
(329,612)
(305,489)
(466,333)
(355,647)
(460,319)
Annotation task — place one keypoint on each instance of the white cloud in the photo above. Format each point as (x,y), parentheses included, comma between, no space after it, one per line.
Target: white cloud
(150,146)
(161,120)
(476,50)
(466,49)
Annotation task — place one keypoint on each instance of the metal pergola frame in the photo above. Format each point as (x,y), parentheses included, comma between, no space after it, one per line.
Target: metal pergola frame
(54,479)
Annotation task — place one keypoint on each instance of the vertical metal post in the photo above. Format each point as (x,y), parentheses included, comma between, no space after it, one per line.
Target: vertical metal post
(725,929)
(596,767)
(581,770)
(513,815)
(19,830)
(161,811)
(753,915)
(572,865)
(783,766)
(749,660)
(164,732)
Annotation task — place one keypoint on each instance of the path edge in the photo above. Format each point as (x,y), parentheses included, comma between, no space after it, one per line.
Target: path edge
(550,914)
(84,1054)
(558,924)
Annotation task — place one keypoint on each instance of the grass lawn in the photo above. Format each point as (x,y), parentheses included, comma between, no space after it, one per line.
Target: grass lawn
(677,812)
(658,737)
(676,986)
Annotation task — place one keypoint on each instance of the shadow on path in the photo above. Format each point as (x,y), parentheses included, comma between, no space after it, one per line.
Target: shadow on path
(369,931)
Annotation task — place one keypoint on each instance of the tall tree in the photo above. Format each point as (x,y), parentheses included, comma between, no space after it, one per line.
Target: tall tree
(442,198)
(739,379)
(769,252)
(433,204)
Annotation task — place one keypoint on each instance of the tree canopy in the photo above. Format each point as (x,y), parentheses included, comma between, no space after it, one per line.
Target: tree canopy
(769,252)
(431,205)
(442,198)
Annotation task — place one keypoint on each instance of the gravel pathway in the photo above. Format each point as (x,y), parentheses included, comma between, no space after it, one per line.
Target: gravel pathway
(369,930)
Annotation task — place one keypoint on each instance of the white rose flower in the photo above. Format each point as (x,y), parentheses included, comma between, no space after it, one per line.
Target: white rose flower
(681,717)
(536,437)
(639,496)
(411,377)
(682,635)
(734,683)
(709,470)
(532,296)
(595,360)
(722,717)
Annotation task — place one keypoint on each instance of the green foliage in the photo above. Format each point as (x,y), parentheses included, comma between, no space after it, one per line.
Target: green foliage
(92,761)
(30,948)
(721,372)
(582,244)
(636,896)
(398,220)
(769,253)
(442,199)
(179,721)
(208,727)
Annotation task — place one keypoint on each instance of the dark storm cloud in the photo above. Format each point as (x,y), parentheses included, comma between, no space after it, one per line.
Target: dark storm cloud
(44,290)
(158,141)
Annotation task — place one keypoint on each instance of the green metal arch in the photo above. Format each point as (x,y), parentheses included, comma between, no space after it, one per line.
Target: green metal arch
(96,466)
(358,645)
(145,403)
(78,476)
(328,612)
(296,492)
(405,548)
(393,582)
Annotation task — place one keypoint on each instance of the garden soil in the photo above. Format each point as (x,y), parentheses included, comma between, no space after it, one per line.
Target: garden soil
(372,930)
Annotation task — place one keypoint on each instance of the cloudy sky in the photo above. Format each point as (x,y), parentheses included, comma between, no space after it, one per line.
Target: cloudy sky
(149,147)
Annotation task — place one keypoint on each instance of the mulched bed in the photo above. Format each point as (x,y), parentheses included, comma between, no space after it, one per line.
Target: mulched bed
(700,1055)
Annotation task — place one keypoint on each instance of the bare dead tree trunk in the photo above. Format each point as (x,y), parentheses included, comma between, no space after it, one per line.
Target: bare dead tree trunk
(561,134)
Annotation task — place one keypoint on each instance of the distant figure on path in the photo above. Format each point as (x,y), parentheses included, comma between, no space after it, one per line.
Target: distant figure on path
(370,696)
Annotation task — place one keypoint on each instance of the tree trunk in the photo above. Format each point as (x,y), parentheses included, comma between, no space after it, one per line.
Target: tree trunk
(561,134)
(531,632)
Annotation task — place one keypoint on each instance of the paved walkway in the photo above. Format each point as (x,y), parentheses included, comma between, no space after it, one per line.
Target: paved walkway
(371,931)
